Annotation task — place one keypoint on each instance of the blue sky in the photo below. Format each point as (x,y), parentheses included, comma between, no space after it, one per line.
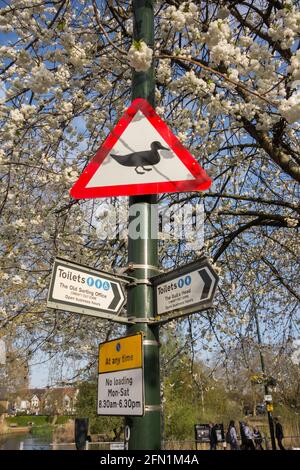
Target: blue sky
(39,375)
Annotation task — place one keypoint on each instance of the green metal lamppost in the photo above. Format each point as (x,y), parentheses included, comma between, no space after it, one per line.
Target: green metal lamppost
(145,431)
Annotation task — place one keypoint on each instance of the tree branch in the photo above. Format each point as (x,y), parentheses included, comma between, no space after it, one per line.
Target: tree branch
(253,223)
(280,278)
(278,155)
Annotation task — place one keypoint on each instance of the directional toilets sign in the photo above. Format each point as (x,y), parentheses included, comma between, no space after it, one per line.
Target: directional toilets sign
(80,289)
(185,290)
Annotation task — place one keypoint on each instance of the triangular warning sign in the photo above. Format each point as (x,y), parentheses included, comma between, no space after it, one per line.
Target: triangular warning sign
(140,156)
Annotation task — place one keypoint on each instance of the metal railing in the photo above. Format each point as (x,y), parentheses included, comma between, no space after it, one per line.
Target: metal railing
(104,445)
(289,443)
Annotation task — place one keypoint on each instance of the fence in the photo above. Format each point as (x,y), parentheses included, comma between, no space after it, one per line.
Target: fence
(89,446)
(289,442)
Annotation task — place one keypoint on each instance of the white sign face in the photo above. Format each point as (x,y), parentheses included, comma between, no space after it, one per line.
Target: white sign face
(139,137)
(185,291)
(268,397)
(117,446)
(84,290)
(121,393)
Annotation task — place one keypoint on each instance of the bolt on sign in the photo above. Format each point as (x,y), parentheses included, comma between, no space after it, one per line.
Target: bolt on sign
(120,379)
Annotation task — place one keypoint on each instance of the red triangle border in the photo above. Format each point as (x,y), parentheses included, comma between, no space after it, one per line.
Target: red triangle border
(200,183)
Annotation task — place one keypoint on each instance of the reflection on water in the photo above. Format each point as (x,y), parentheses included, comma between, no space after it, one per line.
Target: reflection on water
(25,441)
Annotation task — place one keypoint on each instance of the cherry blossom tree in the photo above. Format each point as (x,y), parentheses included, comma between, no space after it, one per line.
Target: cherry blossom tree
(227,83)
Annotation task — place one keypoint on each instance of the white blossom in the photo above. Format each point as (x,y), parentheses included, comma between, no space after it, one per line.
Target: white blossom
(290,108)
(202,127)
(16,116)
(17,280)
(291,222)
(285,27)
(163,72)
(140,56)
(41,79)
(185,15)
(194,84)
(66,107)
(70,175)
(294,68)
(78,56)
(218,31)
(63,74)
(176,17)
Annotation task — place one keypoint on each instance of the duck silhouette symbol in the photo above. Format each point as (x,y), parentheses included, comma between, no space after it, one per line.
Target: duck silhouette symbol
(141,159)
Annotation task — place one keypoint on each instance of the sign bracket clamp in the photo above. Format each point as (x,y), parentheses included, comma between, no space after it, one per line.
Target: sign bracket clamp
(139,281)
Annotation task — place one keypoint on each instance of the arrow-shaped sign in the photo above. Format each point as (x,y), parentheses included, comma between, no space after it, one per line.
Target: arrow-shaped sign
(80,289)
(118,296)
(208,278)
(185,290)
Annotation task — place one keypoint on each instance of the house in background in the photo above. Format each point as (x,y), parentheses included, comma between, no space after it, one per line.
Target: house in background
(36,400)
(49,401)
(20,404)
(60,400)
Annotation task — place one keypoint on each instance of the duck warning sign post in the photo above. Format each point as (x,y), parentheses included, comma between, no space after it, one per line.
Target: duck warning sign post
(141,158)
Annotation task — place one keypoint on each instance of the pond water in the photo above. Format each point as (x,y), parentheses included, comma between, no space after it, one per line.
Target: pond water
(25,441)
